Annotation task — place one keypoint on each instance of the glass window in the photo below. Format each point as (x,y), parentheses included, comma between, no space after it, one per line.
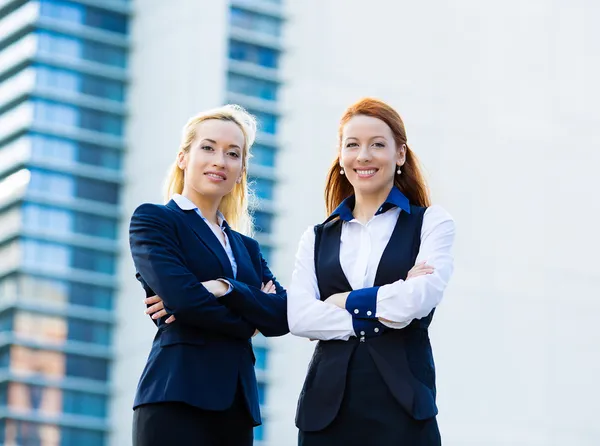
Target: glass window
(48,256)
(60,258)
(100,121)
(91,296)
(6,321)
(82,403)
(58,44)
(247,52)
(259,433)
(52,113)
(75,82)
(86,367)
(262,392)
(53,220)
(266,252)
(52,184)
(94,225)
(267,122)
(250,86)
(84,15)
(36,289)
(263,188)
(77,437)
(97,190)
(263,221)
(23,433)
(99,156)
(92,260)
(47,148)
(253,21)
(46,219)
(260,354)
(10,255)
(64,186)
(89,331)
(58,330)
(263,155)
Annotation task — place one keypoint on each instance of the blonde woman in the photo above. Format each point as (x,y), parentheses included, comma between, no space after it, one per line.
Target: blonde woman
(209,290)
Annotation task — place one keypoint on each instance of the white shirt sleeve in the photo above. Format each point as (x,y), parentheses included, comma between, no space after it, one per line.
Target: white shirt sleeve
(308,316)
(403,301)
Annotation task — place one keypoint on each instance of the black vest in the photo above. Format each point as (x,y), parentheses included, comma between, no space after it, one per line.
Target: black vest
(402,357)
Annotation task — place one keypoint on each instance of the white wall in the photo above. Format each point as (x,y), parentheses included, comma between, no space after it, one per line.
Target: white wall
(177,69)
(500,103)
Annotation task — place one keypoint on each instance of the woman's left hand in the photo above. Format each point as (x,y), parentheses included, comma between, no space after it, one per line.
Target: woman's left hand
(338,299)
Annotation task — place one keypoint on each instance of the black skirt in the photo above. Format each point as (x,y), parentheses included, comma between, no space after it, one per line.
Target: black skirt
(174,423)
(370,415)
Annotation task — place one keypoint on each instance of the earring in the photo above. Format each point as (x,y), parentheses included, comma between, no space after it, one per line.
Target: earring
(398,171)
(342,172)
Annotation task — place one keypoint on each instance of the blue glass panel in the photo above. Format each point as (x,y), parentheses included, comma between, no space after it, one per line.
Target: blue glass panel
(264,188)
(261,357)
(263,222)
(72,81)
(250,86)
(259,55)
(253,21)
(263,155)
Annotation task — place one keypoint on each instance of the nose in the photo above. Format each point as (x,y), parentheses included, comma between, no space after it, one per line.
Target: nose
(219,159)
(364,154)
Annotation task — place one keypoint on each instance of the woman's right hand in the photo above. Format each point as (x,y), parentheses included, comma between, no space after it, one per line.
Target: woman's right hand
(420,269)
(157,308)
(268,287)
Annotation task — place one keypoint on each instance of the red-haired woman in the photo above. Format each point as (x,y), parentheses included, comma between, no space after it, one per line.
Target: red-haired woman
(366,284)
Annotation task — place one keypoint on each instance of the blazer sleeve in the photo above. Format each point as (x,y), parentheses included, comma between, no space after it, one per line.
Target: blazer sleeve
(268,312)
(158,258)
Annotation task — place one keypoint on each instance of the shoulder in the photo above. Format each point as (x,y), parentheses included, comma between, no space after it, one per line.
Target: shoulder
(248,241)
(437,214)
(151,212)
(439,221)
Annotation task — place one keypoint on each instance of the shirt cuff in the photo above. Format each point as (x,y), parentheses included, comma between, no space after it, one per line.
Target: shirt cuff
(367,328)
(362,303)
(228,289)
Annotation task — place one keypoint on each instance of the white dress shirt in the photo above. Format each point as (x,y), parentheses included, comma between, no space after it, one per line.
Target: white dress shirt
(186,204)
(361,248)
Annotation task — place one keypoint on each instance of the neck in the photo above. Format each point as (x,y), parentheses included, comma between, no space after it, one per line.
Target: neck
(208,205)
(367,204)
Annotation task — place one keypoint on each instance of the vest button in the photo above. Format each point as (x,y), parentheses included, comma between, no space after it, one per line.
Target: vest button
(369,313)
(356,311)
(362,333)
(376,330)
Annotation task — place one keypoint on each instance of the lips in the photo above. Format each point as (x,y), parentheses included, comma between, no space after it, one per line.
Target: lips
(366,173)
(217,176)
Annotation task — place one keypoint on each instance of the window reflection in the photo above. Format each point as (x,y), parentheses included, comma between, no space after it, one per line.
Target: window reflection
(53,44)
(263,155)
(250,86)
(75,82)
(259,55)
(61,186)
(46,148)
(84,15)
(253,21)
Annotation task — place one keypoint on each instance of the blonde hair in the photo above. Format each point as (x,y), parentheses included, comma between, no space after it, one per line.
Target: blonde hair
(234,205)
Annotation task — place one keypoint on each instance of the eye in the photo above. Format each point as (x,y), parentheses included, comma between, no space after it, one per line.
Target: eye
(351,144)
(379,144)
(206,147)
(234,154)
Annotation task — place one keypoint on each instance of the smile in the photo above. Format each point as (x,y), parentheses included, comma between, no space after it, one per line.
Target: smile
(216,176)
(366,173)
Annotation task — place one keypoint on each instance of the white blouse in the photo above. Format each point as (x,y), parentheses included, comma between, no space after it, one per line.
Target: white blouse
(361,248)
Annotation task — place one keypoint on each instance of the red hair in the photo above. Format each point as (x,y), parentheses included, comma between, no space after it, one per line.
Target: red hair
(411,182)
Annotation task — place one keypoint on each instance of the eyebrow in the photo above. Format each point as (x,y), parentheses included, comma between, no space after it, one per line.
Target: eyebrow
(370,139)
(231,146)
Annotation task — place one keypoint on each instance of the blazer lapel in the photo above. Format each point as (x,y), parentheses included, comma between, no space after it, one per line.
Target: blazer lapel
(245,270)
(206,236)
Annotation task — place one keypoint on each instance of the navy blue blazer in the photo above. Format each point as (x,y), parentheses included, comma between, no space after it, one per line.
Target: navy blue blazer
(202,357)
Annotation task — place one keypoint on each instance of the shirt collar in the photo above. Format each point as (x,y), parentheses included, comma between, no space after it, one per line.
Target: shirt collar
(394,199)
(185,204)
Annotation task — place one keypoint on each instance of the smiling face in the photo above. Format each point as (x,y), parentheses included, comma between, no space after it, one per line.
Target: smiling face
(214,162)
(369,155)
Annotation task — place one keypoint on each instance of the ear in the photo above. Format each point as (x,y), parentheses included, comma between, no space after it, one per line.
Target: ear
(181,160)
(401,152)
